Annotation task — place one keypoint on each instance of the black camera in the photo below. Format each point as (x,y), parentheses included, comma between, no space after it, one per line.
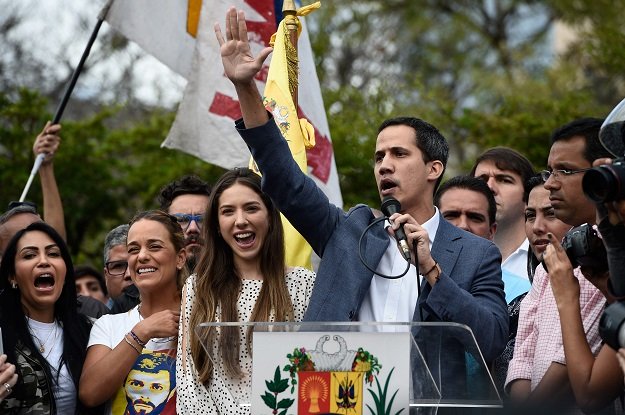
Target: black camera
(585,249)
(606,183)
(611,327)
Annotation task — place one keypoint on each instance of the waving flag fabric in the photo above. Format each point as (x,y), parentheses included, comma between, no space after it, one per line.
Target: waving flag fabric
(204,123)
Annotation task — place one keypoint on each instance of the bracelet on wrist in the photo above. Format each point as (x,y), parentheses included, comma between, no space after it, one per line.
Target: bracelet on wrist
(137,339)
(434,267)
(131,345)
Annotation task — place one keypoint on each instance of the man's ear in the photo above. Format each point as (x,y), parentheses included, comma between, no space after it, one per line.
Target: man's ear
(436,170)
(493,231)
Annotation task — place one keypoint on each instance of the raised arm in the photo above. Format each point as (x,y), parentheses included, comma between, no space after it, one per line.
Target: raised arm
(595,381)
(241,67)
(48,142)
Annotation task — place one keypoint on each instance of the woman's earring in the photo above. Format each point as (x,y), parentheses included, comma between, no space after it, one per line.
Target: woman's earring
(14,284)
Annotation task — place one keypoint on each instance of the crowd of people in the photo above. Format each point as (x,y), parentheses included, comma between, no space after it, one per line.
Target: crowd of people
(485,251)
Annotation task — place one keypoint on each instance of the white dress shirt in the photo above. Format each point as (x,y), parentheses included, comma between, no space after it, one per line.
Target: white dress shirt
(394,300)
(516,263)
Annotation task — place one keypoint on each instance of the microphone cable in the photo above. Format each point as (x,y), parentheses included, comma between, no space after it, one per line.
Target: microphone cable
(364,262)
(392,277)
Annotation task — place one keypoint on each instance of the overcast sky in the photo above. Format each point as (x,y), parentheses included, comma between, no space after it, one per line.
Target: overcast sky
(52,28)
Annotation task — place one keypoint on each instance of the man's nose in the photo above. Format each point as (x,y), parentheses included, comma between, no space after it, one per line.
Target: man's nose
(463,223)
(492,184)
(193,227)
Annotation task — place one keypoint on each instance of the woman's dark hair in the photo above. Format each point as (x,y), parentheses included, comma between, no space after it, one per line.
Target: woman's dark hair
(13,316)
(218,283)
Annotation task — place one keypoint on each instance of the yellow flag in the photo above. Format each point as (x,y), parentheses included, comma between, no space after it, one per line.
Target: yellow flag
(299,133)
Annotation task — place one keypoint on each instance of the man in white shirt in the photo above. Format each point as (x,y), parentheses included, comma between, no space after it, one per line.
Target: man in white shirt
(506,171)
(461,272)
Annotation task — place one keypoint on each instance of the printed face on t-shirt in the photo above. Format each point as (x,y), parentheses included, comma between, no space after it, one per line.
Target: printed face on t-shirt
(148,386)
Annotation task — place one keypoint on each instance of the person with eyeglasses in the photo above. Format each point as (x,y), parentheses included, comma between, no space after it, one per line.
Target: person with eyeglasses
(538,372)
(123,295)
(187,199)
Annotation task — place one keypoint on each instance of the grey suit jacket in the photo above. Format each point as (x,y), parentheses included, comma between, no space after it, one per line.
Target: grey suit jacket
(470,289)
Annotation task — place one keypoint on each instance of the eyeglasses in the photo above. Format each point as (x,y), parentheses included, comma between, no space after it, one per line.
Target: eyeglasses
(546,174)
(185,220)
(116,268)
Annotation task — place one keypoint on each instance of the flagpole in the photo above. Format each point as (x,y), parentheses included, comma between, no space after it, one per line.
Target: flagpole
(68,92)
(288,9)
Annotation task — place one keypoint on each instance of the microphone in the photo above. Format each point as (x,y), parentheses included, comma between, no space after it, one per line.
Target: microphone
(389,206)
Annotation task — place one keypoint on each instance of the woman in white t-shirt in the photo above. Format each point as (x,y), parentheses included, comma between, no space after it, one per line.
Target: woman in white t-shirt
(130,362)
(241,276)
(42,333)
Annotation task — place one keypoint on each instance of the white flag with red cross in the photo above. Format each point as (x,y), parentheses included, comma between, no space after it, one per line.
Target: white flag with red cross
(180,34)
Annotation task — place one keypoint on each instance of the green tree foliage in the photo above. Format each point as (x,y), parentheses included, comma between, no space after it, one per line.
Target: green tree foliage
(484,72)
(105,174)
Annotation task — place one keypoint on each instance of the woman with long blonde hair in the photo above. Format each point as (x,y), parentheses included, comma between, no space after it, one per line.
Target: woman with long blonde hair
(241,276)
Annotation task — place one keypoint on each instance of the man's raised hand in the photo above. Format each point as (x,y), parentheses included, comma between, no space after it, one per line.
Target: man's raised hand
(240,66)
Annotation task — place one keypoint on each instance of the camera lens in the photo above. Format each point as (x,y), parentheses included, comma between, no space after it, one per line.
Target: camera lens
(604,183)
(611,326)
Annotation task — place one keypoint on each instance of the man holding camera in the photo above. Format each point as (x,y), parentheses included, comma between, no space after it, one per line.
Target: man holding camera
(538,372)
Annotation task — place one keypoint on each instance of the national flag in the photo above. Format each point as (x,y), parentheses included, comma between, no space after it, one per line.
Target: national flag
(299,133)
(204,123)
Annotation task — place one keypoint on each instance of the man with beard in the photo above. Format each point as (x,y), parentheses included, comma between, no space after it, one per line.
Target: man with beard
(187,199)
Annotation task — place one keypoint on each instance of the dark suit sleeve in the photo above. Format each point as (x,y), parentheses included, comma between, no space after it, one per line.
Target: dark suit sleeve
(481,305)
(295,194)
(91,307)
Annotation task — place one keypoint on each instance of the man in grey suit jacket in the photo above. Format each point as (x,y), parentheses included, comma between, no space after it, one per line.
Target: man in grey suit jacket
(462,272)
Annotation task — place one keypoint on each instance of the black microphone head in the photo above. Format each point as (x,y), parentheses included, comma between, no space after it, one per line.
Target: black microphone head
(390,205)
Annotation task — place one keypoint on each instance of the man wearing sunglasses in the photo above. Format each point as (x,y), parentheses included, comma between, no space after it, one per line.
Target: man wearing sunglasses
(187,200)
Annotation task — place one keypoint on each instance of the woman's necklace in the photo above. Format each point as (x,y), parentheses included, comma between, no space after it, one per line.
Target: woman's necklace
(155,339)
(43,344)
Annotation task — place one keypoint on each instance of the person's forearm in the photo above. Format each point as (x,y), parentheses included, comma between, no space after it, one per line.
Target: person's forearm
(52,205)
(251,102)
(100,380)
(520,389)
(579,357)
(553,387)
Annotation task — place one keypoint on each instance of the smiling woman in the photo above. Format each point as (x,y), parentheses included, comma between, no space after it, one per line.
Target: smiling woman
(131,363)
(241,276)
(43,334)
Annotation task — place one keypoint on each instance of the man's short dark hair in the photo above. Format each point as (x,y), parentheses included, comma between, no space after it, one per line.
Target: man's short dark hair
(588,128)
(469,183)
(530,184)
(84,270)
(429,140)
(186,185)
(506,158)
